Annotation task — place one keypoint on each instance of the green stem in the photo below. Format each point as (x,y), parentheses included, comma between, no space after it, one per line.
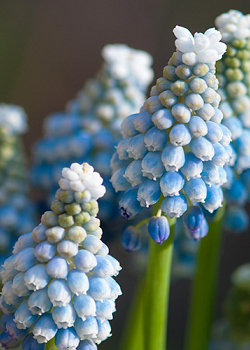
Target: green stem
(204,287)
(133,334)
(51,345)
(157,292)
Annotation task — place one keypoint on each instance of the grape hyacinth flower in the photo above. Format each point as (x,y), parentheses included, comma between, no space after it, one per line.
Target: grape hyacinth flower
(16,211)
(175,146)
(90,127)
(233,73)
(232,331)
(58,283)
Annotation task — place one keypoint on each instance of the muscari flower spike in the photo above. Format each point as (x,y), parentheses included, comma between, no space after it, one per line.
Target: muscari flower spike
(233,73)
(90,127)
(232,331)
(58,283)
(16,211)
(176,145)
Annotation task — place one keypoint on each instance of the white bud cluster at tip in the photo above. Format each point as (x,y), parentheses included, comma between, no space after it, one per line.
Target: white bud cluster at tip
(59,281)
(13,118)
(203,48)
(233,25)
(82,177)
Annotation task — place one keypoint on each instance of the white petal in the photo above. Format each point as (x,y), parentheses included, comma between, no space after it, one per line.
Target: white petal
(242,33)
(208,56)
(189,58)
(219,47)
(181,32)
(184,45)
(201,42)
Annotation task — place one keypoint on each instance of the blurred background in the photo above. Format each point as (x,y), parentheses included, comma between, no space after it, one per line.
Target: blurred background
(49,48)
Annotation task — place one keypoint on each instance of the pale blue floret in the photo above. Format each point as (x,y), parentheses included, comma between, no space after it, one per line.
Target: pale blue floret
(45,251)
(39,302)
(36,277)
(196,190)
(182,71)
(55,234)
(4,320)
(105,309)
(149,192)
(220,155)
(174,206)
(217,116)
(133,174)
(136,148)
(207,112)
(99,289)
(158,229)
(152,166)
(67,339)
(243,143)
(78,282)
(223,179)
(210,173)
(85,261)
(194,101)
(128,127)
(171,183)
(86,329)
(29,343)
(180,135)
(163,119)
(84,305)
(129,205)
(64,316)
(92,224)
(25,259)
(104,330)
(202,148)
(192,167)
(195,223)
(215,133)
(237,194)
(197,126)
(39,233)
(59,293)
(7,342)
(181,113)
(142,122)
(26,241)
(18,285)
(122,147)
(104,250)
(9,296)
(57,267)
(173,157)
(92,243)
(117,163)
(131,239)
(167,99)
(115,289)
(45,328)
(87,344)
(155,139)
(214,198)
(23,316)
(67,249)
(198,85)
(7,308)
(119,181)
(13,331)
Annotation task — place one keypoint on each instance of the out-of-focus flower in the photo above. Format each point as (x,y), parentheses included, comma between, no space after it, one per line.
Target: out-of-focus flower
(90,127)
(58,283)
(16,211)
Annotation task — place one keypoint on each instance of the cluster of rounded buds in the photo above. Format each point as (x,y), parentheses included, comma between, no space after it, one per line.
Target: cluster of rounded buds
(90,127)
(58,283)
(233,329)
(176,145)
(233,73)
(16,212)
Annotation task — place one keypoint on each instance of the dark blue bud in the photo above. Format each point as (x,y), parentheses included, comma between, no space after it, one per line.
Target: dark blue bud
(195,224)
(129,205)
(158,229)
(131,239)
(29,343)
(7,342)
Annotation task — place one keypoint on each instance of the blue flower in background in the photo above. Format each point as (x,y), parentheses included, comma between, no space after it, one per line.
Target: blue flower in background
(16,211)
(90,127)
(176,146)
(58,283)
(233,72)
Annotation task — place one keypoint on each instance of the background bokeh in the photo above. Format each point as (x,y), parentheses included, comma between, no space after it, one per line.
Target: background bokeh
(49,48)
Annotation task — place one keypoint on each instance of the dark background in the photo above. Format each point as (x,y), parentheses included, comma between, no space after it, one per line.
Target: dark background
(49,48)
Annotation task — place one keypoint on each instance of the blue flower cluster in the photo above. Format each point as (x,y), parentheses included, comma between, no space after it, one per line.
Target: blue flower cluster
(176,145)
(58,283)
(90,127)
(233,73)
(233,330)
(16,211)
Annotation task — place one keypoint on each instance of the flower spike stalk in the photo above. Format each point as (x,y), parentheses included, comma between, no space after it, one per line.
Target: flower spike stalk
(176,148)
(58,285)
